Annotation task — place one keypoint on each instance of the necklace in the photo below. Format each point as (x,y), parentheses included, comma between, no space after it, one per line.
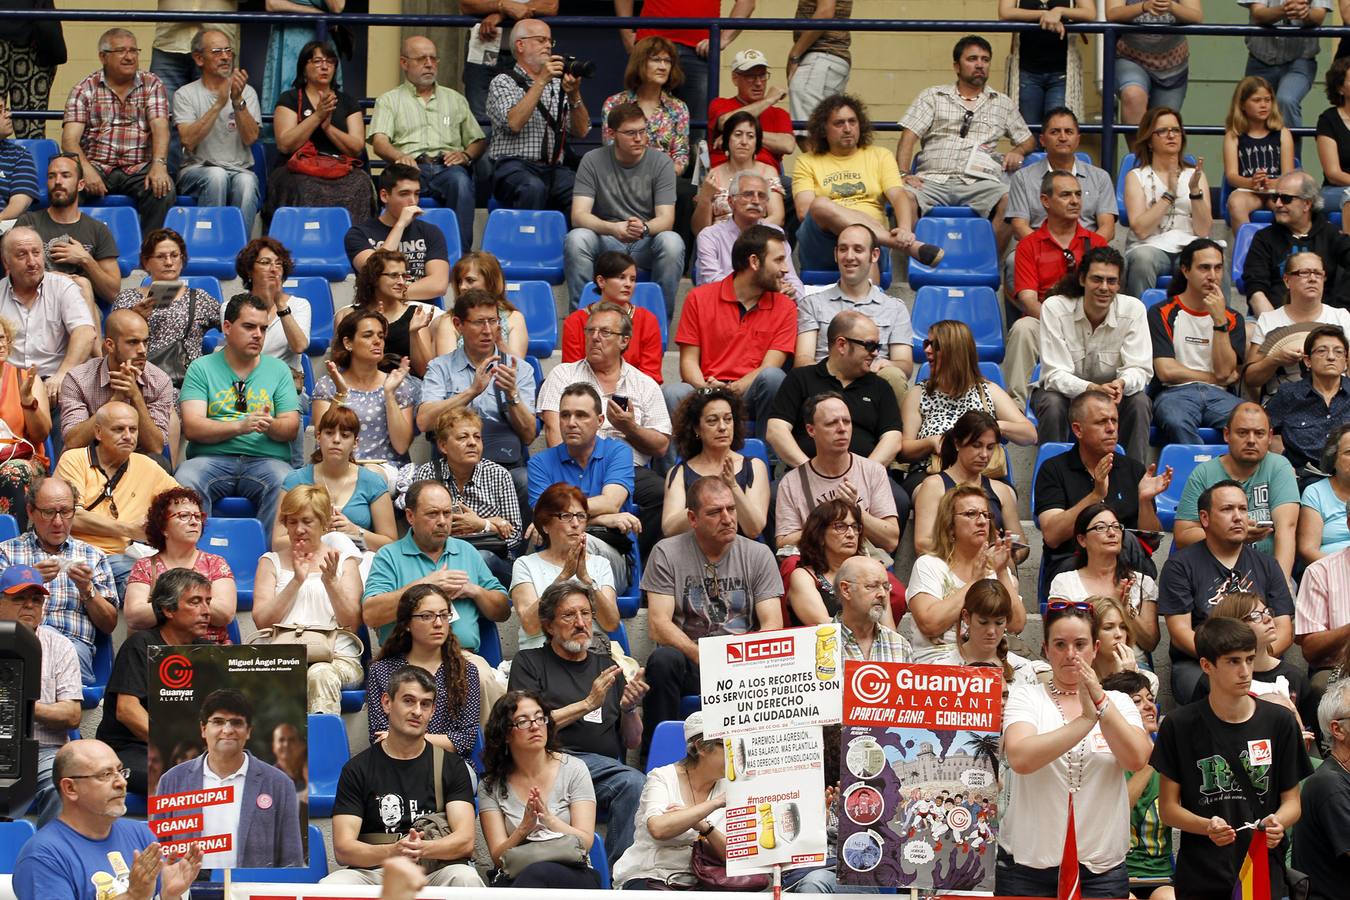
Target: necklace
(1076,758)
(1055,691)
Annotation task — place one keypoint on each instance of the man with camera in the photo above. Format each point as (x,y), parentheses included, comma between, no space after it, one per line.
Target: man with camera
(533,109)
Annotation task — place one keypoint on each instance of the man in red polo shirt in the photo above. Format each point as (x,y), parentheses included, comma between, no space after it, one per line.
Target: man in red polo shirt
(1043,257)
(750,75)
(737,333)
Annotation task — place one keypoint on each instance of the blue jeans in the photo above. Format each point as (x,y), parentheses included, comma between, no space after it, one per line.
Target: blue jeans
(822,881)
(694,91)
(662,253)
(1169,92)
(1333,197)
(618,788)
(1037,93)
(815,246)
(453,188)
(1013,879)
(521,184)
(1186,675)
(47,800)
(1179,412)
(256,478)
(477,77)
(121,565)
(85,653)
(1291,80)
(217,186)
(175,70)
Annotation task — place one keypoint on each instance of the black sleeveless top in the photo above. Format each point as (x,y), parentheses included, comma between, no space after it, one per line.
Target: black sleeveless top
(986,485)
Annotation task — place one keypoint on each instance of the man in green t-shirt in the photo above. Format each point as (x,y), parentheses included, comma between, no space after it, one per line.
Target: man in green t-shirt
(1267,478)
(240,411)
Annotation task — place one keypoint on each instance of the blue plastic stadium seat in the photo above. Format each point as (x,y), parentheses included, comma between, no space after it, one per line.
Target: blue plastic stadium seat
(527,242)
(954,212)
(233,633)
(690,703)
(1207,436)
(314,235)
(1127,162)
(989,370)
(1183,458)
(489,641)
(831,275)
(126,231)
(971,253)
(9,527)
(534,299)
(977,306)
(646,295)
(13,835)
(242,542)
(1153,296)
(629,601)
(214,235)
(667,744)
(103,662)
(448,223)
(600,862)
(538,371)
(233,508)
(620,637)
(42,150)
(317,868)
(328,753)
(1043,452)
(315,290)
(1241,244)
(109,200)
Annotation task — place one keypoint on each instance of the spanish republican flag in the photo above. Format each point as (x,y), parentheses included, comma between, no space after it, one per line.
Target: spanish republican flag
(1254,879)
(1070,886)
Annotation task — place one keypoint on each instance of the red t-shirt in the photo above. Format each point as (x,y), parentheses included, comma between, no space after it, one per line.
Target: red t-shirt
(774,119)
(644,347)
(1039,262)
(732,345)
(679,9)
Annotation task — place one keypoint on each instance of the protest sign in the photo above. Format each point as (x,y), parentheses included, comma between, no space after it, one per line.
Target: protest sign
(775,800)
(227,753)
(919,776)
(770,680)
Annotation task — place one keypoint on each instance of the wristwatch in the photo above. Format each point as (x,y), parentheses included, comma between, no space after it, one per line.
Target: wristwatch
(794,60)
(1169,196)
(513,399)
(284,312)
(1197,195)
(1223,328)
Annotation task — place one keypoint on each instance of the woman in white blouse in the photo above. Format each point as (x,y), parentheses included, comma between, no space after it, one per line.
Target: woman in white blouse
(1065,738)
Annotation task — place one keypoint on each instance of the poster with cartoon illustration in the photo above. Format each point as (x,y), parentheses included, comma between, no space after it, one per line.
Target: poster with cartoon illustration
(775,800)
(919,776)
(767,681)
(228,761)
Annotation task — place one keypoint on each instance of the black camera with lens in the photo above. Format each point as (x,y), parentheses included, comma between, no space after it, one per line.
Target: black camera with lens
(579,68)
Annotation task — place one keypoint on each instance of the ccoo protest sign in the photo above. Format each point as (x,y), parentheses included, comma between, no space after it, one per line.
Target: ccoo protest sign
(919,776)
(775,800)
(770,680)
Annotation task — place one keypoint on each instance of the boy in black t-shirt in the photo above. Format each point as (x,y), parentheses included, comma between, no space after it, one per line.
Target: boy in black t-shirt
(1204,793)
(385,788)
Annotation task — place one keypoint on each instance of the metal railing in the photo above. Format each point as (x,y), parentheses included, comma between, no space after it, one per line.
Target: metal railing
(1108,128)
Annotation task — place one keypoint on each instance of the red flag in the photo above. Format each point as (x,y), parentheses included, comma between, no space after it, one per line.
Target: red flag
(1070,887)
(1254,877)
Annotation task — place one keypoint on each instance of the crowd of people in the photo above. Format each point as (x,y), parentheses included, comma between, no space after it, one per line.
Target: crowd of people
(645,489)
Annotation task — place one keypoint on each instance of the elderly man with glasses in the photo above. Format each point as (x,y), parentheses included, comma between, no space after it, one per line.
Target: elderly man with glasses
(1322,835)
(1300,226)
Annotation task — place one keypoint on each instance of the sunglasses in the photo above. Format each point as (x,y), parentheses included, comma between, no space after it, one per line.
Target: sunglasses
(1060,605)
(965,122)
(931,344)
(869,346)
(1286,199)
(241,396)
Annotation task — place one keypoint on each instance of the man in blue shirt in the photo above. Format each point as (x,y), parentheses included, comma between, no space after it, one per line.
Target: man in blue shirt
(601,467)
(18,174)
(91,852)
(427,554)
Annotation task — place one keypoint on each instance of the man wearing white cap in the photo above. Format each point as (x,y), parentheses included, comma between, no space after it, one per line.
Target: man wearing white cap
(750,75)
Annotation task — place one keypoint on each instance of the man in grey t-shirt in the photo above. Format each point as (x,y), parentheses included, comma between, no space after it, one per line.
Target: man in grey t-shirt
(217,117)
(624,199)
(707,581)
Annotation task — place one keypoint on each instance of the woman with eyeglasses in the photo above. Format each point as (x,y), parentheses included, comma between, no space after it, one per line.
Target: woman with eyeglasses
(709,432)
(743,138)
(422,636)
(1167,198)
(173,526)
(314,583)
(26,413)
(317,113)
(560,520)
(653,72)
(1116,636)
(966,549)
(615,278)
(478,269)
(982,636)
(1068,741)
(532,791)
(1322,526)
(176,328)
(363,509)
(1299,411)
(382,287)
(263,266)
(831,534)
(1100,572)
(1275,354)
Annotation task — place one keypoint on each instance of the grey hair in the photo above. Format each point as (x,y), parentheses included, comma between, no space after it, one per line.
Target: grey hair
(105,39)
(14,234)
(518,30)
(35,487)
(1307,189)
(169,588)
(1335,705)
(558,591)
(734,186)
(626,324)
(199,38)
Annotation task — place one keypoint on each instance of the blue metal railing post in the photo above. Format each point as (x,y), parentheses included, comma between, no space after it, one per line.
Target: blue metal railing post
(714,73)
(1109,101)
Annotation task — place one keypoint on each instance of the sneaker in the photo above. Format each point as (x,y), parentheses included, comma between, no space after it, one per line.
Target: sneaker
(929,254)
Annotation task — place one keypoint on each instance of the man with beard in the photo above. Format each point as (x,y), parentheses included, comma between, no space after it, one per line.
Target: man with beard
(596,710)
(864,595)
(218,119)
(116,486)
(708,581)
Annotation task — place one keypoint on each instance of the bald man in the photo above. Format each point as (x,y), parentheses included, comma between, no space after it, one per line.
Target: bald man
(115,485)
(123,374)
(92,851)
(864,607)
(429,126)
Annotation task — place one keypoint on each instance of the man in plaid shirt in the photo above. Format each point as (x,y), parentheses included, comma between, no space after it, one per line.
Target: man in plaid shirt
(83,597)
(117,120)
(864,593)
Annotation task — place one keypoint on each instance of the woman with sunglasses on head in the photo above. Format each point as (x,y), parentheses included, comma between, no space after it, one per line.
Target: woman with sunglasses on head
(173,526)
(1115,634)
(1068,741)
(1101,572)
(382,287)
(832,534)
(743,138)
(531,789)
(560,520)
(709,430)
(478,269)
(422,636)
(983,634)
(615,279)
(966,549)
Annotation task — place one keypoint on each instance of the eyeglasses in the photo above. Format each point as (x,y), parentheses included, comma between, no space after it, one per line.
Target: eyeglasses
(108,495)
(419,60)
(269,262)
(241,396)
(965,122)
(576,615)
(173,257)
(431,618)
(570,516)
(601,332)
(975,514)
(482,323)
(931,344)
(1286,199)
(633,133)
(525,722)
(711,591)
(237,722)
(1333,352)
(1315,274)
(1258,615)
(869,346)
(846,527)
(1169,131)
(321,61)
(1107,528)
(220,51)
(397,276)
(1060,605)
(122,51)
(106,775)
(67,512)
(545,39)
(188,518)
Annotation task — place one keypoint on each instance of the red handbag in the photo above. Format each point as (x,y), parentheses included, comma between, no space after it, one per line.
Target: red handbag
(309,161)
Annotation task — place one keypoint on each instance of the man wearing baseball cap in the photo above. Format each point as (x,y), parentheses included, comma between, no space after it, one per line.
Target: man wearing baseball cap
(750,74)
(57,710)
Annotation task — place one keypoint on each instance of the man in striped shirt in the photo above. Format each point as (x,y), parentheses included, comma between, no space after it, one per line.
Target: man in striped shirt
(18,174)
(1322,616)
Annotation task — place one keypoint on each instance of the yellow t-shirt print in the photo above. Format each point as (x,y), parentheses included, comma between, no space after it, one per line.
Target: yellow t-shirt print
(108,885)
(224,403)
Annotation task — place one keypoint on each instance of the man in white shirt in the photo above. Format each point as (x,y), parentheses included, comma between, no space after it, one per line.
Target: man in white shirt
(1097,341)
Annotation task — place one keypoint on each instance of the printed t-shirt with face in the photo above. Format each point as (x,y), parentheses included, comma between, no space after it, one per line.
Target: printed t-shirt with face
(857,182)
(746,575)
(1272,485)
(268,388)
(1193,581)
(388,794)
(1200,752)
